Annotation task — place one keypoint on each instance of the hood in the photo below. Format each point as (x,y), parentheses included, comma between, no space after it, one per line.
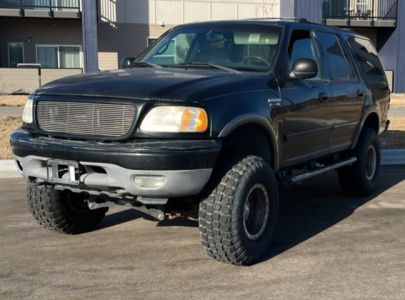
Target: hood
(141,83)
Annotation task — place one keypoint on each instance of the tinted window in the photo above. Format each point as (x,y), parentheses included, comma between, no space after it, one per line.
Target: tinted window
(334,56)
(367,57)
(347,59)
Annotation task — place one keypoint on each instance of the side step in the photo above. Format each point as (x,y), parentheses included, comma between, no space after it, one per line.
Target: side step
(319,171)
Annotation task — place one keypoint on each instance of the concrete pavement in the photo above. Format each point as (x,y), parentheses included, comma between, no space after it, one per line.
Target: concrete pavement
(327,246)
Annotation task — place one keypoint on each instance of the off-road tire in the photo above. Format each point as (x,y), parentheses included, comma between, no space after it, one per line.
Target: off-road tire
(222,223)
(360,178)
(62,211)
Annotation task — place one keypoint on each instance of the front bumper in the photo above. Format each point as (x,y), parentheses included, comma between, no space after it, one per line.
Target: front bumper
(110,167)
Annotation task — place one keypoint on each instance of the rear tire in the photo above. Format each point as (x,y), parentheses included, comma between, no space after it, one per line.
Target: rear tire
(62,211)
(360,178)
(238,213)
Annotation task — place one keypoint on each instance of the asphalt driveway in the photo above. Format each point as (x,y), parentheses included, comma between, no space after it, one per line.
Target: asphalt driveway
(327,246)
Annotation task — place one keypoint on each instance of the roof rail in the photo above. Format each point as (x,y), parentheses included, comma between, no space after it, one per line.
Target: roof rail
(299,20)
(348,29)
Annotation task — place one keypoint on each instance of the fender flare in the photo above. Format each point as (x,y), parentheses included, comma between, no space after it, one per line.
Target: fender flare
(368,112)
(259,120)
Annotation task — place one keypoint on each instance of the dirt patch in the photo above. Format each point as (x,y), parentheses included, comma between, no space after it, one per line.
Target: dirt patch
(397,101)
(7,126)
(13,101)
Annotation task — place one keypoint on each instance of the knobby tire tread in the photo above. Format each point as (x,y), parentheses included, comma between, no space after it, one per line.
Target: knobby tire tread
(50,210)
(219,235)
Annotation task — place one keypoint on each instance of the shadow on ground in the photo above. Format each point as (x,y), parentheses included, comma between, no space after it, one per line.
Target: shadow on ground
(305,210)
(318,204)
(129,215)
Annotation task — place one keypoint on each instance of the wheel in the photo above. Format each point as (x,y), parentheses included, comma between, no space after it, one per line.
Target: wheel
(257,58)
(360,178)
(238,212)
(62,211)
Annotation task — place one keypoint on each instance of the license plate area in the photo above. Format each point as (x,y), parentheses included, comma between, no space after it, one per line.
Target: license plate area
(63,171)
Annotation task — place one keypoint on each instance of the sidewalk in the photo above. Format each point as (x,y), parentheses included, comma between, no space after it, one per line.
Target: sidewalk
(8,168)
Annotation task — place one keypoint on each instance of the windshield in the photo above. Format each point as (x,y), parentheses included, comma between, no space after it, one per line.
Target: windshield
(241,47)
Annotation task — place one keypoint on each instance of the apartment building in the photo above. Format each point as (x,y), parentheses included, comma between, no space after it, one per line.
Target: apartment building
(72,36)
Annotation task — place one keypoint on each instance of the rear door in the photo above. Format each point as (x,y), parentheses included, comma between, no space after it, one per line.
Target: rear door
(348,91)
(375,81)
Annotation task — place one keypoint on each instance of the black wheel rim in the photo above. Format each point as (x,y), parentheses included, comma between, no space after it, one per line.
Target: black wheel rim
(371,162)
(256,211)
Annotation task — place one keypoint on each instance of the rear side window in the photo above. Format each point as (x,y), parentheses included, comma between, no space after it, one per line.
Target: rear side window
(367,57)
(337,64)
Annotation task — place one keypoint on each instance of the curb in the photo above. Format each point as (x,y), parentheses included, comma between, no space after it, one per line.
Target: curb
(393,157)
(8,168)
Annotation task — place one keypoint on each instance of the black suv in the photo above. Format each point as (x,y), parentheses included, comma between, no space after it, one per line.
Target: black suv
(205,122)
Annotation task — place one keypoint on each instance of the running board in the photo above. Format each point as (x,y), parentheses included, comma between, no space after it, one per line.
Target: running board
(319,171)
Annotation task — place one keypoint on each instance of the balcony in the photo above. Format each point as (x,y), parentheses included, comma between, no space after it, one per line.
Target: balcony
(67,9)
(360,13)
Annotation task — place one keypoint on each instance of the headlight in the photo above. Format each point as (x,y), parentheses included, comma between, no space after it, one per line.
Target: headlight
(27,114)
(175,119)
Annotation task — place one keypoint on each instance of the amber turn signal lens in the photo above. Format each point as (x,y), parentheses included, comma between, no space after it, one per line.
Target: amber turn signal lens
(194,120)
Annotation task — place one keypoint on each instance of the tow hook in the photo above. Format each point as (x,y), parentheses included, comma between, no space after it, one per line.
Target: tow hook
(387,125)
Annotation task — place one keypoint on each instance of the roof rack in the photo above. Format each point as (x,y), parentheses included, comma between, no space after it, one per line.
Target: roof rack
(347,29)
(299,20)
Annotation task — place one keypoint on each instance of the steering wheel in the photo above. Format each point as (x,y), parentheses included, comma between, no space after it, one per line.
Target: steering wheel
(257,58)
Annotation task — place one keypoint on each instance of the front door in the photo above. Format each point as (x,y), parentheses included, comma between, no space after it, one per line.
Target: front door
(308,117)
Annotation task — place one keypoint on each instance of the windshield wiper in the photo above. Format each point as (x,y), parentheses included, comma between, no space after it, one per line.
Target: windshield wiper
(145,63)
(203,64)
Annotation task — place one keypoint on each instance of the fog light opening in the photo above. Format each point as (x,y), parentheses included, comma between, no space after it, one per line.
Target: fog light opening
(150,181)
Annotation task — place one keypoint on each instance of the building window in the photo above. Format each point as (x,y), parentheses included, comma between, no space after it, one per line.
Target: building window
(15,54)
(150,41)
(362,6)
(62,57)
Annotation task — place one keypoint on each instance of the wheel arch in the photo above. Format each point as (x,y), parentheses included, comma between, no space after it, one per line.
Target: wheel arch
(370,119)
(242,127)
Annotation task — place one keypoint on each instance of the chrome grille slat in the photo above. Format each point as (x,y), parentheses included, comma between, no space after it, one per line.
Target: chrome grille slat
(85,118)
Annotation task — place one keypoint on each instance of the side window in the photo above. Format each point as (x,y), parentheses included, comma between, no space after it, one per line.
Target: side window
(302,45)
(334,56)
(367,57)
(347,59)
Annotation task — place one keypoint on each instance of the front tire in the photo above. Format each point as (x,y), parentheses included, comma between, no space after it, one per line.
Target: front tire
(238,214)
(62,211)
(360,178)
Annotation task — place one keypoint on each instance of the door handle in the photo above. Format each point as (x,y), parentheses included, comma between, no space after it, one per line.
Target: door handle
(360,94)
(323,97)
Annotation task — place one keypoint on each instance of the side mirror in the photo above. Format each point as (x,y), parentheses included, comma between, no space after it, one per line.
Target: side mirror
(126,62)
(304,68)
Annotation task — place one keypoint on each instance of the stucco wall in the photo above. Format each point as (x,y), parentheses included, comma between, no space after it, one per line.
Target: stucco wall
(172,12)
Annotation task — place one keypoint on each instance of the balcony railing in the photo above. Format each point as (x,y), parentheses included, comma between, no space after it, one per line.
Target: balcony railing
(42,5)
(361,12)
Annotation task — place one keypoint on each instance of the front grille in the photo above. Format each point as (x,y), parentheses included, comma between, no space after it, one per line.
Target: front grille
(85,119)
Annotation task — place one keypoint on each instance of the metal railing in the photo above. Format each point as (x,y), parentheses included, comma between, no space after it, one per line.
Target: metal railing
(48,5)
(360,9)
